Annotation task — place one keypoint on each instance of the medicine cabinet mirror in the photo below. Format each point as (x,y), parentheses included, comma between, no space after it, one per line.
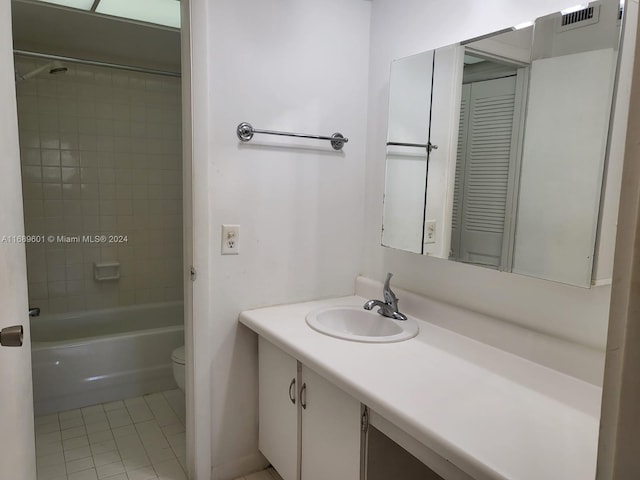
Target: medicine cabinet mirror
(496,146)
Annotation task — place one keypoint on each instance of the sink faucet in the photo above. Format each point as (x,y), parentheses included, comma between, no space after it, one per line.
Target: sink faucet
(388,308)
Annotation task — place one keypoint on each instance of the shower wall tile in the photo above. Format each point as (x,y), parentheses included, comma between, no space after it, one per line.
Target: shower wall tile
(101,155)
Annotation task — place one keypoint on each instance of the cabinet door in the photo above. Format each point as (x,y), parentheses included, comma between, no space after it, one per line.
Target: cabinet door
(330,431)
(278,437)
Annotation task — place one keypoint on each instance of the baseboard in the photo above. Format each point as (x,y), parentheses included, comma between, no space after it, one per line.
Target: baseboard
(239,467)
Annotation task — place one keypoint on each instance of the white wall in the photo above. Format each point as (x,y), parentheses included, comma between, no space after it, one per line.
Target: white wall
(400,30)
(619,428)
(294,66)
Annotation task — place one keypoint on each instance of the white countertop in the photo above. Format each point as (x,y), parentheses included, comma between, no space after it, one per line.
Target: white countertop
(491,413)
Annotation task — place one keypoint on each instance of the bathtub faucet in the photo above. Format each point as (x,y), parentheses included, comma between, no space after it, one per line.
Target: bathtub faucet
(34,311)
(388,308)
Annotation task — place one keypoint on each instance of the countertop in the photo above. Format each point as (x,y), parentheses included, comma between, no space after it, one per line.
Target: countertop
(491,413)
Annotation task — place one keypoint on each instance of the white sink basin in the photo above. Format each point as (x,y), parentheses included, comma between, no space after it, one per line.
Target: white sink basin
(360,325)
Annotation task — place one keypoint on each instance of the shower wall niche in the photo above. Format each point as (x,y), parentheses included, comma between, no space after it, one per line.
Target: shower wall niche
(101,155)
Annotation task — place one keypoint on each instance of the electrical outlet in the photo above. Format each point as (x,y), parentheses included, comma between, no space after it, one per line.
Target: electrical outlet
(230,239)
(430,231)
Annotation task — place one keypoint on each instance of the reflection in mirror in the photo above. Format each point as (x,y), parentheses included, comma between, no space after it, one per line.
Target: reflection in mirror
(522,124)
(570,95)
(406,175)
(489,141)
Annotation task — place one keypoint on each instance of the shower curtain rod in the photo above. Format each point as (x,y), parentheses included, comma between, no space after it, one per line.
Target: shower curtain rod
(95,63)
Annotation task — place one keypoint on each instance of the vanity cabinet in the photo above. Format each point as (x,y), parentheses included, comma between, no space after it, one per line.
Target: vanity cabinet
(387,460)
(330,436)
(309,429)
(278,409)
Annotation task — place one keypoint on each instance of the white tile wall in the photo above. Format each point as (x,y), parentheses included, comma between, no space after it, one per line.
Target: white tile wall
(101,154)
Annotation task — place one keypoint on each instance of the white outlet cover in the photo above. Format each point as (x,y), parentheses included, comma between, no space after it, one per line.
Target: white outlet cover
(430,231)
(230,240)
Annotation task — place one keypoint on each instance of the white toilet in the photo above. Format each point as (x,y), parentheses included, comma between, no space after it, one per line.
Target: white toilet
(177,358)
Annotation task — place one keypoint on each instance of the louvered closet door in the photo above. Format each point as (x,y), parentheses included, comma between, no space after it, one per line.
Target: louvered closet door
(487,152)
(461,156)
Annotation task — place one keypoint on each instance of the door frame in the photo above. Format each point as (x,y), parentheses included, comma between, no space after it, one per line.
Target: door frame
(194,64)
(18,438)
(198,459)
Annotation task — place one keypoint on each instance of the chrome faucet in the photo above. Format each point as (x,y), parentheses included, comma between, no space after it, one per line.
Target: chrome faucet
(388,308)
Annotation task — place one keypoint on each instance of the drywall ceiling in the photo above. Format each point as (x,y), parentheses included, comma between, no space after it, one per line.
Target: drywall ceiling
(54,30)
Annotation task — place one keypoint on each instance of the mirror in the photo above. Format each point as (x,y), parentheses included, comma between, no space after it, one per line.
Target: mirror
(496,146)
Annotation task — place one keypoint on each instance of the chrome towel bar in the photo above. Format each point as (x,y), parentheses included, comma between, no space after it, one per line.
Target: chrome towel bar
(428,146)
(245,133)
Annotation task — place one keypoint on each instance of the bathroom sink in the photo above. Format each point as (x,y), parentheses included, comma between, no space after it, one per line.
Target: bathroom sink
(360,325)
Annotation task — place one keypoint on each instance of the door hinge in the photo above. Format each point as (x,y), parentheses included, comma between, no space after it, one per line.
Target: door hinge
(192,273)
(364,420)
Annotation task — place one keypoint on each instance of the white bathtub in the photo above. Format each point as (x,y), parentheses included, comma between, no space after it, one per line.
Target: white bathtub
(85,358)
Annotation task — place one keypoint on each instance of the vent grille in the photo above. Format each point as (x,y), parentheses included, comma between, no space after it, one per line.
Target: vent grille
(579,16)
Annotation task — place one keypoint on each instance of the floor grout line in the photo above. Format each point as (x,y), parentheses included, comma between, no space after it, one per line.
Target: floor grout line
(269,473)
(120,440)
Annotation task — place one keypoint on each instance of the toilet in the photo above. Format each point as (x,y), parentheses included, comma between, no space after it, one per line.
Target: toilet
(177,358)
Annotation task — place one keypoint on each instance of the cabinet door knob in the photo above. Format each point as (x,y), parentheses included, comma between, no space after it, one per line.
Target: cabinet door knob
(292,391)
(303,396)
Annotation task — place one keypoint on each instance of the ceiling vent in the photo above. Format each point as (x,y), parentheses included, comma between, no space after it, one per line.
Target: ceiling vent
(580,18)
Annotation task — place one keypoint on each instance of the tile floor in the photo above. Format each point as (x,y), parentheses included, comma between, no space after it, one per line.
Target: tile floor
(140,438)
(268,474)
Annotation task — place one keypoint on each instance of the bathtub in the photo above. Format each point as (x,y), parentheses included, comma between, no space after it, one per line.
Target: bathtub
(85,358)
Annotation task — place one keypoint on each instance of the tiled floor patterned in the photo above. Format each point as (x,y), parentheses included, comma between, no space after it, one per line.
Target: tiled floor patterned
(140,438)
(268,474)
